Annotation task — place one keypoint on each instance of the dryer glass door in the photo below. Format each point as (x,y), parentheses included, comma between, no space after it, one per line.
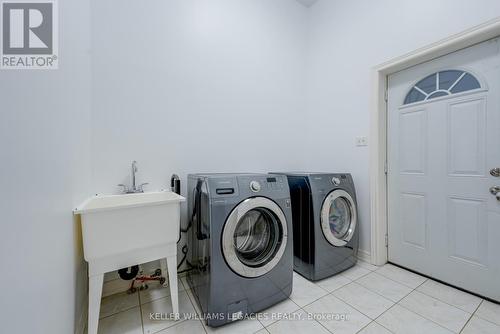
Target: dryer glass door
(338,217)
(254,237)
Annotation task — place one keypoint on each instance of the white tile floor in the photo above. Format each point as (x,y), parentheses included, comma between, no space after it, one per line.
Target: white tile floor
(374,300)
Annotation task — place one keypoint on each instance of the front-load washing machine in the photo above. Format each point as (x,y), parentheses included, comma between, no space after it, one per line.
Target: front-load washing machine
(240,243)
(325,223)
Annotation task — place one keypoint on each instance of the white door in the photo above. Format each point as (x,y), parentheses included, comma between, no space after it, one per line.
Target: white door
(443,145)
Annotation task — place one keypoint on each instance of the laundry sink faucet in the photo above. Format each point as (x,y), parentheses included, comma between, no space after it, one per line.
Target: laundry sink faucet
(134,188)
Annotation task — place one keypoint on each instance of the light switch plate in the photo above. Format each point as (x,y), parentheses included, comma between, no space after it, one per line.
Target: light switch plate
(361,141)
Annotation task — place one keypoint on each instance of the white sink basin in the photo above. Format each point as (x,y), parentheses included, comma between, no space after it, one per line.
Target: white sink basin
(119,224)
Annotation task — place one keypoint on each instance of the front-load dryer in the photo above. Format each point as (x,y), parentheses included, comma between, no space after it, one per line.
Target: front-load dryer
(325,223)
(240,243)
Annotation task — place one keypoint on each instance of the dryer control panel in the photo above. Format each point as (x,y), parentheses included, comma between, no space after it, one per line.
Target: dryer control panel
(261,184)
(336,181)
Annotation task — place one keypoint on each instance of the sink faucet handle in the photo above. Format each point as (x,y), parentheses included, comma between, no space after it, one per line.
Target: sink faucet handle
(141,186)
(125,188)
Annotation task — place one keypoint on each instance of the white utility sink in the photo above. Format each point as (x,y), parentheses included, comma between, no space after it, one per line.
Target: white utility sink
(121,231)
(115,224)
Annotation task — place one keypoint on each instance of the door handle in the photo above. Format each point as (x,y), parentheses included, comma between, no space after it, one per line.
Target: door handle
(495,172)
(495,191)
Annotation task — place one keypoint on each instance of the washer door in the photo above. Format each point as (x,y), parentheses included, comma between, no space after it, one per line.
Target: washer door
(254,237)
(338,217)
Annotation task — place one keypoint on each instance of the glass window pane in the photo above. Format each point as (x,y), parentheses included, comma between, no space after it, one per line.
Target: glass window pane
(340,217)
(428,84)
(468,82)
(414,96)
(256,237)
(448,78)
(460,81)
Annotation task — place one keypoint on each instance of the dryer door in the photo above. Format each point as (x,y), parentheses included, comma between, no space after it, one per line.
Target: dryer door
(338,217)
(254,237)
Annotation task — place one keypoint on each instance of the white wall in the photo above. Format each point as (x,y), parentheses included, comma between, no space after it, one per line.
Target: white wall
(187,86)
(347,39)
(196,86)
(44,174)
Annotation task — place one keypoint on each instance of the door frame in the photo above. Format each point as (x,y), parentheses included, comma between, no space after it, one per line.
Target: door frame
(378,122)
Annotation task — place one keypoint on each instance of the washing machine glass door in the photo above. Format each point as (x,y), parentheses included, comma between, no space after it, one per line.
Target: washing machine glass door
(254,237)
(338,217)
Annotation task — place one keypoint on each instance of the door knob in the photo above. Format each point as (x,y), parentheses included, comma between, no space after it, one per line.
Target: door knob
(495,190)
(495,172)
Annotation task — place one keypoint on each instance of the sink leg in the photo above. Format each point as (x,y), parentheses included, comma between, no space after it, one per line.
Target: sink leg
(172,278)
(163,267)
(95,292)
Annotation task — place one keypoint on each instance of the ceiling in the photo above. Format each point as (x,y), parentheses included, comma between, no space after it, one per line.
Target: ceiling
(307,3)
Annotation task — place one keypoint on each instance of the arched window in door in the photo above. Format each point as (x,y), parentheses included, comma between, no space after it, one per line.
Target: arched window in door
(442,83)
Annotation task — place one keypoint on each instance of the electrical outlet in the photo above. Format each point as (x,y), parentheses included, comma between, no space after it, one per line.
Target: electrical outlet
(361,141)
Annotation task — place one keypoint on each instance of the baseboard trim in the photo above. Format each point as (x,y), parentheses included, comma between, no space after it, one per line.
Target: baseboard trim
(364,255)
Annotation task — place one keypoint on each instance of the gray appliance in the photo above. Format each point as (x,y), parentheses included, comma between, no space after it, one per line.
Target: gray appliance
(325,223)
(240,243)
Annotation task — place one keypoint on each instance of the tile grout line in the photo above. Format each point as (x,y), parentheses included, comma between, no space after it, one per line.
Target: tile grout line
(331,293)
(263,328)
(444,302)
(487,320)
(112,314)
(354,281)
(421,314)
(428,295)
(301,308)
(329,331)
(368,273)
(188,288)
(426,279)
(366,315)
(482,318)
(124,310)
(472,316)
(347,278)
(375,320)
(180,321)
(313,300)
(368,324)
(288,298)
(327,293)
(376,292)
(343,275)
(382,315)
(450,330)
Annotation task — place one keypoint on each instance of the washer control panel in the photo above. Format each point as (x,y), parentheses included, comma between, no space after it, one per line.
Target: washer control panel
(255,186)
(273,183)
